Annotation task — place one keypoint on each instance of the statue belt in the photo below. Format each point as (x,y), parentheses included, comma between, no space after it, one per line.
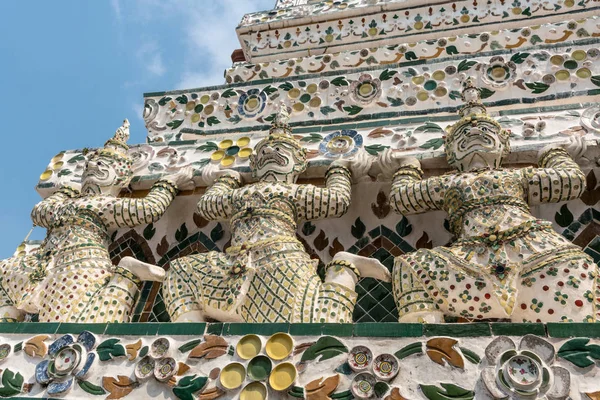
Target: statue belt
(497,237)
(246,247)
(482,202)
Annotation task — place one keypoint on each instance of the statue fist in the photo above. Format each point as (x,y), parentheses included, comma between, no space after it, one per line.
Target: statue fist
(211,172)
(183,178)
(576,147)
(360,165)
(389,162)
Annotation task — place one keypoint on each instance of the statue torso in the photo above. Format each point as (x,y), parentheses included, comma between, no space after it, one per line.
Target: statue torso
(482,202)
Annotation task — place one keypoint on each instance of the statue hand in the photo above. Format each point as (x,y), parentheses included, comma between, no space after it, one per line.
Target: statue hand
(360,165)
(576,146)
(342,162)
(389,162)
(211,172)
(183,178)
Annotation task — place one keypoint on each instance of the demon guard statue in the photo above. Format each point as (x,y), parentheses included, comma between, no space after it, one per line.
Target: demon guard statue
(504,263)
(70,277)
(266,275)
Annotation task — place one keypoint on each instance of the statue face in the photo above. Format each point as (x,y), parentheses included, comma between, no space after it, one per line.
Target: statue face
(277,161)
(476,146)
(104,174)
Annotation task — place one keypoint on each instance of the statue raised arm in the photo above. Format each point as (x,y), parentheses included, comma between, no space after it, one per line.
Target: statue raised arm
(505,263)
(266,275)
(70,277)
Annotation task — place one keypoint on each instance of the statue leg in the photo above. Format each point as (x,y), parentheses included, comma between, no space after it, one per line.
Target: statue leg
(413,301)
(179,292)
(114,301)
(564,286)
(17,286)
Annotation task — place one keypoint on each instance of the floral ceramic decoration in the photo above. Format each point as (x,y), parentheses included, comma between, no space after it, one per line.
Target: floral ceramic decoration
(498,73)
(344,143)
(70,359)
(157,363)
(360,358)
(252,103)
(365,89)
(229,151)
(526,371)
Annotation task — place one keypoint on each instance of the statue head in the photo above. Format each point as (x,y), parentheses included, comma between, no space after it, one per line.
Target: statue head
(108,170)
(476,140)
(279,157)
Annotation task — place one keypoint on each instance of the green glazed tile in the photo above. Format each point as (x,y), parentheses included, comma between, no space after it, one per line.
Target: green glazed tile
(37,327)
(182,328)
(573,329)
(214,329)
(76,328)
(457,330)
(509,329)
(257,329)
(377,329)
(305,329)
(337,329)
(132,328)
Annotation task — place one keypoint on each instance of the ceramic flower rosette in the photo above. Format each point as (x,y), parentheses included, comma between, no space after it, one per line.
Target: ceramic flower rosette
(524,372)
(69,359)
(157,363)
(384,368)
(259,367)
(344,143)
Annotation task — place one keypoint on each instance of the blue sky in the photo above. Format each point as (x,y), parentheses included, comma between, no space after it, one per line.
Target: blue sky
(71,70)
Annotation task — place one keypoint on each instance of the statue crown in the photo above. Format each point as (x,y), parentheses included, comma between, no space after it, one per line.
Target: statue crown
(280,131)
(473,111)
(116,147)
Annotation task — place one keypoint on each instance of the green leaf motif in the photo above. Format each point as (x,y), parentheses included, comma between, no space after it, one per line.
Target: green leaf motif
(296,391)
(109,349)
(404,228)
(395,102)
(595,80)
(91,388)
(236,119)
(578,352)
(181,233)
(358,229)
(518,58)
(339,81)
(353,110)
(451,50)
(269,89)
(182,99)
(208,146)
(485,92)
(564,217)
(312,138)
(327,110)
(65,172)
(387,74)
(229,93)
(163,101)
(175,124)
(344,369)
(189,385)
(76,159)
(345,395)
(375,149)
(433,144)
(143,352)
(212,121)
(381,388)
(537,87)
(184,348)
(470,355)
(217,233)
(12,383)
(18,347)
(449,391)
(149,231)
(409,350)
(455,95)
(326,347)
(409,73)
(465,65)
(286,86)
(308,228)
(429,127)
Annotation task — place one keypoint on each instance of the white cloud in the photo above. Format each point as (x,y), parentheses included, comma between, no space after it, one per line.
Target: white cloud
(116,6)
(206,30)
